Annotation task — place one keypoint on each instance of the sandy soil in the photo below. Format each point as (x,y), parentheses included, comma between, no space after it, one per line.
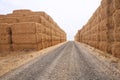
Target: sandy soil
(12,60)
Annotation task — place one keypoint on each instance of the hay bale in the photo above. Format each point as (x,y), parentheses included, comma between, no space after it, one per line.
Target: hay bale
(5,28)
(104,25)
(111,35)
(117,36)
(5,47)
(19,15)
(39,28)
(48,31)
(39,37)
(109,49)
(104,12)
(103,46)
(25,47)
(23,11)
(110,23)
(116,18)
(116,4)
(43,44)
(116,49)
(2,16)
(40,46)
(43,37)
(43,14)
(111,8)
(96,44)
(9,20)
(103,36)
(47,37)
(110,4)
(24,38)
(50,20)
(105,2)
(44,30)
(44,22)
(30,19)
(46,45)
(26,27)
(5,39)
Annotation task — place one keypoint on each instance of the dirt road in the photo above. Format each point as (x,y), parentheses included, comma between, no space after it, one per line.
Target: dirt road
(70,61)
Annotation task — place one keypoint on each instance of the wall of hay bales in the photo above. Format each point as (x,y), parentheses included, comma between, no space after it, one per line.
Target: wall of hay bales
(24,30)
(102,30)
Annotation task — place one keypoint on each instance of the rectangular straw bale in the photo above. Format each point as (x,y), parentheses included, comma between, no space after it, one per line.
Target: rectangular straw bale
(25,47)
(5,39)
(25,27)
(104,12)
(105,2)
(43,14)
(116,18)
(22,11)
(24,38)
(110,23)
(116,49)
(43,44)
(103,35)
(39,37)
(30,19)
(48,31)
(9,20)
(19,15)
(104,25)
(103,46)
(43,37)
(2,16)
(117,36)
(111,35)
(5,47)
(5,28)
(40,46)
(39,28)
(116,4)
(111,8)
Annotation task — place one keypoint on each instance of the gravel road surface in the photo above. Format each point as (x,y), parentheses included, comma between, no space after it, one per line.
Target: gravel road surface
(70,61)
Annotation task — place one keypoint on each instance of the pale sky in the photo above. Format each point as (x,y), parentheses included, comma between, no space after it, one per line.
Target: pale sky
(70,15)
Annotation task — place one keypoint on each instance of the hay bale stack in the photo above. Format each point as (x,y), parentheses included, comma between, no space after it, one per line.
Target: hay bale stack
(116,4)
(116,19)
(26,34)
(5,37)
(2,16)
(25,47)
(9,20)
(116,49)
(29,31)
(103,28)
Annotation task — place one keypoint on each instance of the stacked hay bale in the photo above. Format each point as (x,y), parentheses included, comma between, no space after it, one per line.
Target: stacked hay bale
(77,37)
(102,29)
(5,37)
(26,36)
(116,32)
(32,30)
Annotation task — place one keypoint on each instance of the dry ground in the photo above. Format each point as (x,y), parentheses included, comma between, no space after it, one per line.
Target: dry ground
(12,60)
(69,61)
